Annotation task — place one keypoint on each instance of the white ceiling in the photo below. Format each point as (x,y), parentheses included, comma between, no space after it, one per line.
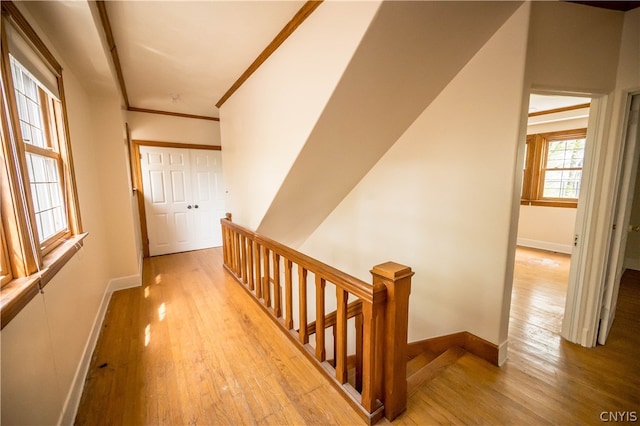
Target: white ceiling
(538,103)
(182,56)
(177,56)
(68,19)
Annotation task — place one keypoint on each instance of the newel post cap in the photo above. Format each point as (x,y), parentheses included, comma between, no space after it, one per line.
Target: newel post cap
(392,271)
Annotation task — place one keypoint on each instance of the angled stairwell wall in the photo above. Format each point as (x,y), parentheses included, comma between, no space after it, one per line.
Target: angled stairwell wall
(410,52)
(265,124)
(441,198)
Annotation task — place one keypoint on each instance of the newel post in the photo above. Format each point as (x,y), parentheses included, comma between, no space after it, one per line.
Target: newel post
(397,279)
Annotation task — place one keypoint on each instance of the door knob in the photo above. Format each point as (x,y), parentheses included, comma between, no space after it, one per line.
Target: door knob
(196,206)
(189,206)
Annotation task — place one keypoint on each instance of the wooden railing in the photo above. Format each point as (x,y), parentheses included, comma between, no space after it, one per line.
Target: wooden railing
(376,337)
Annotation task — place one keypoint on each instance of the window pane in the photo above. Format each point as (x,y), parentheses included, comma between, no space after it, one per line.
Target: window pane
(565,154)
(46,190)
(562,174)
(562,184)
(29,110)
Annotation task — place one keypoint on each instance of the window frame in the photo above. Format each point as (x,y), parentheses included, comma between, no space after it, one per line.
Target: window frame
(5,269)
(32,263)
(51,118)
(535,167)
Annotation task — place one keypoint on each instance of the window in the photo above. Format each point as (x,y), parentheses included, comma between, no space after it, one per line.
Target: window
(40,227)
(553,168)
(38,112)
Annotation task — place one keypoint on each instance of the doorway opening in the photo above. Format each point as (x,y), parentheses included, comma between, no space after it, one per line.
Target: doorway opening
(552,177)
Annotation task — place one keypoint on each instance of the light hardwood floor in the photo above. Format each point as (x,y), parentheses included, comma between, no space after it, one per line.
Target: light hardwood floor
(546,380)
(191,347)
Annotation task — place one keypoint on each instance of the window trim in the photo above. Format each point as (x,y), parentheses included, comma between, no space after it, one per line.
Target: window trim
(31,264)
(5,268)
(535,161)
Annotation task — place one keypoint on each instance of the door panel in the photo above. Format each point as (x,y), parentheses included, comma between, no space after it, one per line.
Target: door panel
(157,187)
(622,216)
(161,221)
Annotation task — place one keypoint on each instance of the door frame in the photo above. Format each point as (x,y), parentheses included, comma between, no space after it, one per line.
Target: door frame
(595,218)
(138,188)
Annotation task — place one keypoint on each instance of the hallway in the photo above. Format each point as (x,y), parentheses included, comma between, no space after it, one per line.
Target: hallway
(190,347)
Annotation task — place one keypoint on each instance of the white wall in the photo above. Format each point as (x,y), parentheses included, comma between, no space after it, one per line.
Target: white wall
(116,193)
(47,346)
(573,48)
(547,228)
(166,128)
(440,200)
(265,124)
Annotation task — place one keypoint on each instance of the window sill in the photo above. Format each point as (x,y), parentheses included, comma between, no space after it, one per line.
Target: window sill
(16,294)
(549,203)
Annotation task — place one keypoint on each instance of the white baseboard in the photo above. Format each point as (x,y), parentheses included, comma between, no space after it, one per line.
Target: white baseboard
(123,283)
(545,245)
(70,409)
(630,263)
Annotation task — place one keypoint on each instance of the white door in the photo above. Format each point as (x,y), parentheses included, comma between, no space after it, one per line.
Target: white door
(183,198)
(207,198)
(615,266)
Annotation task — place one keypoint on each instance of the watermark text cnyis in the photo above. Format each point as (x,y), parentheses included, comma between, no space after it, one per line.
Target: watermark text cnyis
(619,416)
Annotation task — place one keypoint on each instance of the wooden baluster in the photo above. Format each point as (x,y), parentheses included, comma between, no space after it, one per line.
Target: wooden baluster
(236,245)
(397,280)
(232,249)
(372,345)
(288,317)
(342,372)
(302,287)
(245,263)
(320,347)
(359,332)
(335,345)
(250,267)
(257,264)
(277,290)
(224,243)
(266,279)
(240,260)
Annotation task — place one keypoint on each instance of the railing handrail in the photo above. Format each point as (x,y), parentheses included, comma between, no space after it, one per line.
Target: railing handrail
(351,284)
(380,310)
